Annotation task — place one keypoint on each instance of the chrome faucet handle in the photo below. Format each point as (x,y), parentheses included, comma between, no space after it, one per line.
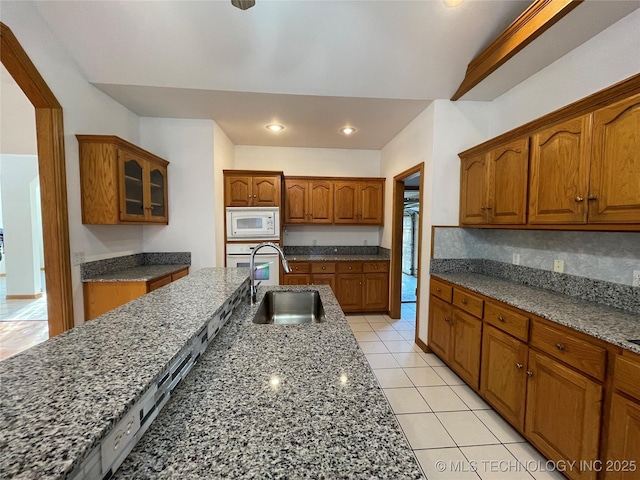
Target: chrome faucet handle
(285,265)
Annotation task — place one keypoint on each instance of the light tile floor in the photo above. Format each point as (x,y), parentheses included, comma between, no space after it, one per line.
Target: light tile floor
(454,434)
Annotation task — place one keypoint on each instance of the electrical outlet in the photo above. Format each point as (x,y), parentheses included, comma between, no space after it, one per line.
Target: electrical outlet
(516,259)
(366,242)
(315,242)
(558,266)
(77,258)
(636,278)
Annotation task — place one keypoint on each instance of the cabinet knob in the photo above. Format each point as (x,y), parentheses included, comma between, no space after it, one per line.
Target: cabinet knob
(254,196)
(438,290)
(350,268)
(519,366)
(489,208)
(559,346)
(324,268)
(249,195)
(464,301)
(592,197)
(529,373)
(579,199)
(446,319)
(501,318)
(376,267)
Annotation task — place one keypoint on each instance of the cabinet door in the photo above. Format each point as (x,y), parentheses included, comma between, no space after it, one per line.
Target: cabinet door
(237,191)
(563,413)
(503,380)
(559,175)
(345,202)
(375,292)
(265,191)
(508,181)
(371,196)
(624,438)
(465,347)
(614,191)
(473,190)
(296,209)
(132,186)
(350,292)
(157,210)
(320,201)
(440,329)
(297,279)
(324,279)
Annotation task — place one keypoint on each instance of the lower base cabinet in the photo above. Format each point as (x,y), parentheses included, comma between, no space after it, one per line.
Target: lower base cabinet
(623,444)
(563,414)
(101,297)
(440,314)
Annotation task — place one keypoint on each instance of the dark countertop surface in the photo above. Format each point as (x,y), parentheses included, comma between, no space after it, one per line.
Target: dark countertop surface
(606,323)
(142,273)
(337,258)
(277,401)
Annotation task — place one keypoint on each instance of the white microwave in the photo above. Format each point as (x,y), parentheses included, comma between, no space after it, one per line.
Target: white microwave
(253,223)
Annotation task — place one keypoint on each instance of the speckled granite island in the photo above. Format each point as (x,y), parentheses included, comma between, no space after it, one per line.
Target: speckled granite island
(610,324)
(262,401)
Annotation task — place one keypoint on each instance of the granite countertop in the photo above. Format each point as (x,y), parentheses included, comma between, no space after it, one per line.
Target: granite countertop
(606,323)
(141,273)
(326,418)
(59,398)
(337,258)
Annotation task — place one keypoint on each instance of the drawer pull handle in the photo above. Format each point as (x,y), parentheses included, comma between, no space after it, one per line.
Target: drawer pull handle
(464,301)
(446,319)
(438,290)
(350,268)
(501,318)
(529,373)
(519,366)
(324,268)
(559,346)
(592,197)
(579,199)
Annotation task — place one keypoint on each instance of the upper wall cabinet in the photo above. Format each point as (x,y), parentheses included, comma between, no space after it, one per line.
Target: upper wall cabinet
(252,189)
(560,172)
(583,168)
(614,188)
(317,200)
(308,200)
(121,183)
(359,202)
(494,185)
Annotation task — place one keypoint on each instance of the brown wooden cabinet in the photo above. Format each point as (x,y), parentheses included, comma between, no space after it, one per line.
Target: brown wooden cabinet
(121,183)
(101,297)
(252,188)
(563,413)
(440,332)
(559,183)
(503,380)
(359,202)
(494,185)
(614,188)
(308,200)
(466,344)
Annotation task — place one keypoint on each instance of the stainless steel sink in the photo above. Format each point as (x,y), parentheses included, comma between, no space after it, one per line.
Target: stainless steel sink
(290,308)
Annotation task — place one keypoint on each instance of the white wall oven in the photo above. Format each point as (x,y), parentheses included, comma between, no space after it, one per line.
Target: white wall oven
(253,223)
(267,261)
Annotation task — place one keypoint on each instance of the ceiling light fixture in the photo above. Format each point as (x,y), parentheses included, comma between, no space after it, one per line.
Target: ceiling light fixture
(243,4)
(452,3)
(348,130)
(274,127)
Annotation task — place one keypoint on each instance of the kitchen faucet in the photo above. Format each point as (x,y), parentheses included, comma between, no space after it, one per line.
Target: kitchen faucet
(253,288)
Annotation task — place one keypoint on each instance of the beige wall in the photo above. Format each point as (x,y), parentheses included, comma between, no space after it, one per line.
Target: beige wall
(17,119)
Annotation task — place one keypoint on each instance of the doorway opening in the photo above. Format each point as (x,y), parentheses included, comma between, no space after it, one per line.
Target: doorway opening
(52,180)
(406,242)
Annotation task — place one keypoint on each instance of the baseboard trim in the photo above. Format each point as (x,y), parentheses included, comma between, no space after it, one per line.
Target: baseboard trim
(425,348)
(24,297)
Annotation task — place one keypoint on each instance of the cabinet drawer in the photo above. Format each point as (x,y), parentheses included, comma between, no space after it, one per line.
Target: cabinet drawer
(349,267)
(507,321)
(441,290)
(300,267)
(626,376)
(468,302)
(323,267)
(374,267)
(156,284)
(561,344)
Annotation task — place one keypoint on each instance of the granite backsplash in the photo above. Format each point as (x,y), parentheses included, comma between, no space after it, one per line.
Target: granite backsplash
(615,295)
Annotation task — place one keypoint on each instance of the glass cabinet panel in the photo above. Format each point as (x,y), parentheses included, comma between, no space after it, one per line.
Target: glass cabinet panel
(157,187)
(133,190)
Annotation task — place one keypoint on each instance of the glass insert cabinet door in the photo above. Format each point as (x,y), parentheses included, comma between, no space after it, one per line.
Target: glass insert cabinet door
(157,192)
(132,186)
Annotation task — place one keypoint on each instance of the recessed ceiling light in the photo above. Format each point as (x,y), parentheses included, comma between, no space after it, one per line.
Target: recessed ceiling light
(452,3)
(348,130)
(274,127)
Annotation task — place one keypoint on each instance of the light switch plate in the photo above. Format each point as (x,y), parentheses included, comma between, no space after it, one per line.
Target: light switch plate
(516,259)
(558,266)
(636,278)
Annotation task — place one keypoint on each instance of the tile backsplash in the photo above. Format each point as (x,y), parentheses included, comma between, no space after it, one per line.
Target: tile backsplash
(607,256)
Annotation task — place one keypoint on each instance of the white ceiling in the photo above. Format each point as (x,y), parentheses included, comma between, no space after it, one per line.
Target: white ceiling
(313,66)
